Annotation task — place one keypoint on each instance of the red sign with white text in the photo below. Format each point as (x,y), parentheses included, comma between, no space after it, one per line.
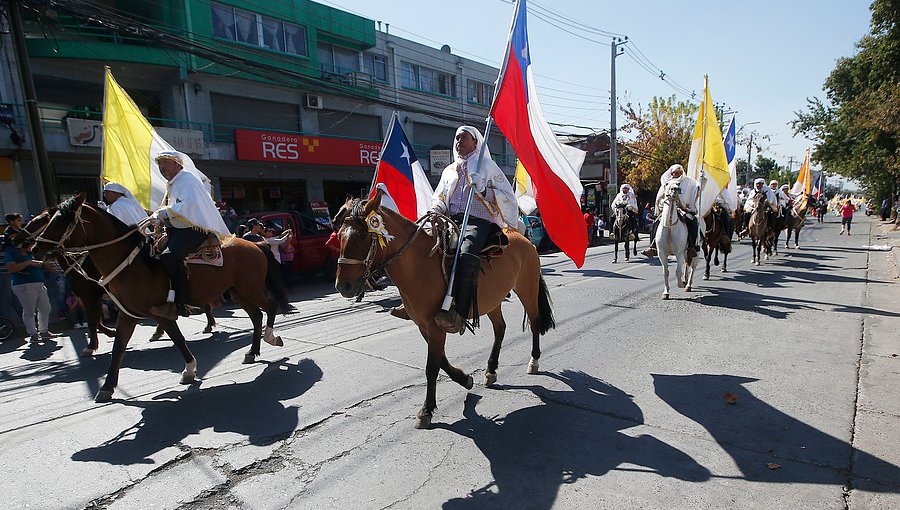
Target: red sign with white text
(312,150)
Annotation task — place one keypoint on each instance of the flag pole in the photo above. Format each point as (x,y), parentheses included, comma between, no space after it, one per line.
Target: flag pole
(448,296)
(387,137)
(705,114)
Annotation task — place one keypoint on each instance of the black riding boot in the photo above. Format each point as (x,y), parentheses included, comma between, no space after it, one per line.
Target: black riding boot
(651,250)
(464,295)
(174,265)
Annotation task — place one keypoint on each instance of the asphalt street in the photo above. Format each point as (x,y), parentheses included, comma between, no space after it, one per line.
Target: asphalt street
(771,386)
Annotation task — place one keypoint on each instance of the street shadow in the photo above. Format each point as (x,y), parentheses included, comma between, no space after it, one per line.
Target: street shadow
(11,345)
(777,307)
(762,277)
(41,350)
(253,409)
(600,273)
(755,433)
(571,435)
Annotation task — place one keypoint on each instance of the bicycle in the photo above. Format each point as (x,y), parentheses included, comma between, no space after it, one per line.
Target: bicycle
(7,329)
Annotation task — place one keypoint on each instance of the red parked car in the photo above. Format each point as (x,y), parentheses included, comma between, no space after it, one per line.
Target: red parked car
(310,235)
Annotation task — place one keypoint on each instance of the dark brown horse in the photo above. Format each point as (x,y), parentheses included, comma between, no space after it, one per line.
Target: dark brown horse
(85,287)
(715,239)
(622,230)
(88,291)
(137,282)
(420,280)
(798,219)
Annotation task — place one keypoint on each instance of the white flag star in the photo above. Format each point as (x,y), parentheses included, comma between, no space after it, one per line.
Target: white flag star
(405,154)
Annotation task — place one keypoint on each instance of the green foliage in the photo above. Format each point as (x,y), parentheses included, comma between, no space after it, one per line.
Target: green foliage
(663,135)
(856,129)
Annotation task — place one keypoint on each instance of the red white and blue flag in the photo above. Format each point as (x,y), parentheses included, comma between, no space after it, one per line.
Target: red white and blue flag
(402,174)
(819,186)
(554,168)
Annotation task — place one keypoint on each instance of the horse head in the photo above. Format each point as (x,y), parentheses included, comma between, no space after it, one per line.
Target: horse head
(621,216)
(61,229)
(360,225)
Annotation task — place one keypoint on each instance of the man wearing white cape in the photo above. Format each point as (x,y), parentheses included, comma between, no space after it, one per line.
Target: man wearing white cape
(190,216)
(493,206)
(122,204)
(689,191)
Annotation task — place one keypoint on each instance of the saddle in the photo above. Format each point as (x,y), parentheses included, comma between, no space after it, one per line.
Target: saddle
(496,243)
(209,253)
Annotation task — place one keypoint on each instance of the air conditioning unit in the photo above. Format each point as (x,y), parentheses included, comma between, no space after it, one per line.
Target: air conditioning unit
(313,102)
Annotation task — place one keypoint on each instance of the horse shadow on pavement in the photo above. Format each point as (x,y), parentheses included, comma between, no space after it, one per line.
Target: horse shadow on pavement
(754,433)
(253,409)
(571,435)
(777,307)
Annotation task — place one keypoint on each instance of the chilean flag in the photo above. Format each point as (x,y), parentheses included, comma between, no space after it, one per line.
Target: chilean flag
(554,170)
(402,174)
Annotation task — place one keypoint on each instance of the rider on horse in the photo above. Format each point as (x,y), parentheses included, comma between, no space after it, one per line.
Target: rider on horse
(689,190)
(759,186)
(122,204)
(780,197)
(627,199)
(190,217)
(493,208)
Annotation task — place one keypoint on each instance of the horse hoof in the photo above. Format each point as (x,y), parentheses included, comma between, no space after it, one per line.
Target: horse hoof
(687,288)
(756,263)
(155,337)
(103,396)
(680,284)
(423,422)
(208,329)
(532,367)
(187,378)
(490,379)
(706,277)
(665,295)
(724,270)
(614,261)
(87,352)
(249,359)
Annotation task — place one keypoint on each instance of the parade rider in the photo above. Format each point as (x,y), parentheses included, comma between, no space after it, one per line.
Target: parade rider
(627,198)
(122,204)
(781,199)
(759,186)
(493,207)
(788,203)
(689,191)
(190,217)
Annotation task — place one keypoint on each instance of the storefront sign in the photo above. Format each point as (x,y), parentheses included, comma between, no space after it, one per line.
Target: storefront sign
(311,150)
(89,133)
(440,158)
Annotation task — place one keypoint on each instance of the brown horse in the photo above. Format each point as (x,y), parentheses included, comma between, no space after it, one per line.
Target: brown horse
(420,279)
(798,219)
(137,282)
(758,226)
(715,239)
(88,291)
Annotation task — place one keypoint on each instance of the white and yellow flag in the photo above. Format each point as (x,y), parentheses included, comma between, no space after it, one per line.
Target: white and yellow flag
(130,147)
(708,157)
(524,190)
(804,179)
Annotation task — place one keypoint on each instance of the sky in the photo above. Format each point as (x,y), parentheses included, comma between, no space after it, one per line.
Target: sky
(763,58)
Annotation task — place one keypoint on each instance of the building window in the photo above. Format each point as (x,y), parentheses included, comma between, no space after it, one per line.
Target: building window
(376,65)
(243,26)
(337,60)
(480,93)
(427,79)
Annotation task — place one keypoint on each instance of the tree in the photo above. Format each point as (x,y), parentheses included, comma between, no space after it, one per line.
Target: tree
(662,138)
(856,129)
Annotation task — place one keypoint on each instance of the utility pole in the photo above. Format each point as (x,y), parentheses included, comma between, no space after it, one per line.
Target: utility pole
(46,178)
(612,187)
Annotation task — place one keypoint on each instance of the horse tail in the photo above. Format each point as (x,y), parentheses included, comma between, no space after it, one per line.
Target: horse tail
(274,285)
(545,320)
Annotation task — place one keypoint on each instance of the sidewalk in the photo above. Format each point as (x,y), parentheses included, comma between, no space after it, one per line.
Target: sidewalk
(877,419)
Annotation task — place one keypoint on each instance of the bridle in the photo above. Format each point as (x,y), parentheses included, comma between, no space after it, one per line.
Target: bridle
(368,262)
(78,255)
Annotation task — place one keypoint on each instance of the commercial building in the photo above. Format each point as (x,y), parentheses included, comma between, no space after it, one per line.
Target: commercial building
(279,103)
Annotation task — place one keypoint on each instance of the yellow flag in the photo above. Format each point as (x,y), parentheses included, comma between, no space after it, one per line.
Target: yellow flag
(708,156)
(524,190)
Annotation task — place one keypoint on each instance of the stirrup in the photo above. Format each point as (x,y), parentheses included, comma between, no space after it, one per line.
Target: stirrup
(449,321)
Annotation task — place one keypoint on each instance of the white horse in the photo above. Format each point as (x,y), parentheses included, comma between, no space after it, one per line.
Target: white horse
(672,239)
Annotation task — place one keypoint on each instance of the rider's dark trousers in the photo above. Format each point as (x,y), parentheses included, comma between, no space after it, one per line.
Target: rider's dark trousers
(182,242)
(473,240)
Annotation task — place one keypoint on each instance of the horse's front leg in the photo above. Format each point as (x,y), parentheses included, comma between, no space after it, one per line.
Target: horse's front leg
(664,261)
(797,238)
(679,270)
(190,363)
(435,338)
(255,317)
(706,257)
(496,317)
(124,329)
(616,249)
(724,262)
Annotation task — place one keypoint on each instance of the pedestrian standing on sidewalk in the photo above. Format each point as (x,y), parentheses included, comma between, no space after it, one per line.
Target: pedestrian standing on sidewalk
(847,211)
(28,286)
(589,223)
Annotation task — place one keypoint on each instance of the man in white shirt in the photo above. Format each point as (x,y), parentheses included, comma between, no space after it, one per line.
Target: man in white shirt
(122,204)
